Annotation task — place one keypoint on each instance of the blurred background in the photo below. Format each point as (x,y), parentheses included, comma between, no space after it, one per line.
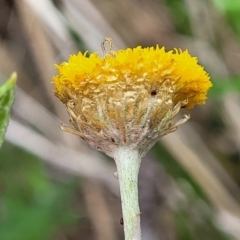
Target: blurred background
(53,187)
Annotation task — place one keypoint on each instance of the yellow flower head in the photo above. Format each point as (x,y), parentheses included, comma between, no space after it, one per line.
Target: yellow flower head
(129,91)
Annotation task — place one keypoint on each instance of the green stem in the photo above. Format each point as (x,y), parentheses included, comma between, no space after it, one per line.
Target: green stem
(128,163)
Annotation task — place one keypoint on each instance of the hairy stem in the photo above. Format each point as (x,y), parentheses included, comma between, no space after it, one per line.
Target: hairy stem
(128,162)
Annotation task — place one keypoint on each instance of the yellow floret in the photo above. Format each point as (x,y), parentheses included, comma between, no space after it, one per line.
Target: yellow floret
(145,66)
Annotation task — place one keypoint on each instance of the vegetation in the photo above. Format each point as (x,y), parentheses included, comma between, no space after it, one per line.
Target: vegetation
(52,186)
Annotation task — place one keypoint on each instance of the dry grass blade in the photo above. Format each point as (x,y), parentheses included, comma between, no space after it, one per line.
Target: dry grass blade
(77,163)
(193,140)
(90,24)
(99,211)
(35,114)
(206,178)
(45,11)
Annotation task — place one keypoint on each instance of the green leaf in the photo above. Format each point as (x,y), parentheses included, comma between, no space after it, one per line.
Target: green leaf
(226,5)
(6,100)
